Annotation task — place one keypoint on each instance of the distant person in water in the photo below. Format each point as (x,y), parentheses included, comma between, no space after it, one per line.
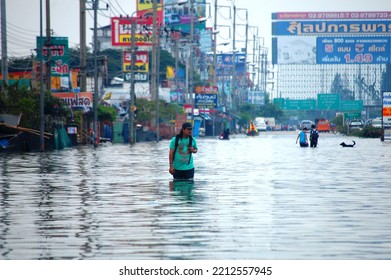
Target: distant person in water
(182,146)
(303,138)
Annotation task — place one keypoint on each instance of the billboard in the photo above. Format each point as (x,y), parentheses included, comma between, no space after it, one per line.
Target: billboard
(145,10)
(179,17)
(58,53)
(305,28)
(353,50)
(141,64)
(121,30)
(331,50)
(71,99)
(331,15)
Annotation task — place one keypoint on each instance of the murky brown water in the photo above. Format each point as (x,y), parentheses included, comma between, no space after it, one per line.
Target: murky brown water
(253,198)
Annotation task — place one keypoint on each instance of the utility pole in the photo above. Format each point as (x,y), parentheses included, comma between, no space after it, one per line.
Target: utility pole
(48,48)
(95,100)
(132,81)
(4,55)
(83,47)
(154,84)
(95,7)
(191,70)
(41,89)
(215,45)
(233,97)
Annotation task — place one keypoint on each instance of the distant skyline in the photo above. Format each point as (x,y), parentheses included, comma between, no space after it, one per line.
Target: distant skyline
(23,17)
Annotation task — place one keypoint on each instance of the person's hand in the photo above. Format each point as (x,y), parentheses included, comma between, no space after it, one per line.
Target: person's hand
(171,170)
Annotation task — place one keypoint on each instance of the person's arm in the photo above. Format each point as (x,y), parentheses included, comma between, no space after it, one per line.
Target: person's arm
(171,161)
(298,136)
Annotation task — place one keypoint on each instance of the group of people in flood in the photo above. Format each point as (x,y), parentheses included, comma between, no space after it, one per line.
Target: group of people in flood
(183,145)
(302,137)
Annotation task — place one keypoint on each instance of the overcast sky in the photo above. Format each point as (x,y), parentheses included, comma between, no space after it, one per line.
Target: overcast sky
(23,17)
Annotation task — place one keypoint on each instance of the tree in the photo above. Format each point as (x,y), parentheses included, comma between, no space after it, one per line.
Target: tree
(340,86)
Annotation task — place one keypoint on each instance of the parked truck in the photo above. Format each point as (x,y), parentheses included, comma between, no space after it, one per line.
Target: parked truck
(323,125)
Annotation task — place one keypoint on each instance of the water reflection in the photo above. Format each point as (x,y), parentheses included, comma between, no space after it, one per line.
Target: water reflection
(252,198)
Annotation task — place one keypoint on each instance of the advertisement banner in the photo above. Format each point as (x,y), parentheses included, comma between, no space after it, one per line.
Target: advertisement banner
(353,50)
(71,99)
(224,63)
(205,101)
(58,53)
(121,30)
(331,50)
(145,10)
(331,15)
(141,63)
(304,28)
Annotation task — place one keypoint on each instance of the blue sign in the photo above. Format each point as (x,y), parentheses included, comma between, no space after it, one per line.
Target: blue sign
(205,101)
(353,50)
(303,28)
(225,61)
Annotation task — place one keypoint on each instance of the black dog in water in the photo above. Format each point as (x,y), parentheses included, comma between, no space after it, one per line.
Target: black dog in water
(348,145)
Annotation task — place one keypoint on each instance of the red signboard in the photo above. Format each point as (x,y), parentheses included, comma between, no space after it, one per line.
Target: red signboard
(206,89)
(121,30)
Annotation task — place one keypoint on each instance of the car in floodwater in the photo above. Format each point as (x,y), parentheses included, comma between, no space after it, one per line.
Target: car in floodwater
(306,124)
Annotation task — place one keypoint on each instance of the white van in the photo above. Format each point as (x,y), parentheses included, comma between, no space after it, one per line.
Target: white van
(260,124)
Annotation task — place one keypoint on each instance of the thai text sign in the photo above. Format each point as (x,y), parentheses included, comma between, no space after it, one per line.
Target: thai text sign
(75,99)
(121,32)
(140,65)
(352,105)
(386,104)
(206,89)
(353,50)
(330,15)
(58,53)
(328,101)
(205,101)
(300,104)
(303,28)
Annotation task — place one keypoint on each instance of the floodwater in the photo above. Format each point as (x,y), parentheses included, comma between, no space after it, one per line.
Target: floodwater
(253,198)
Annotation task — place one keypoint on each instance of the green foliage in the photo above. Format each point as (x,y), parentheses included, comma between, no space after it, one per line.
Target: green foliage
(341,86)
(106,113)
(146,110)
(22,100)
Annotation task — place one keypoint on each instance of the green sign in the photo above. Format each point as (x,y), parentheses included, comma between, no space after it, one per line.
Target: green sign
(58,53)
(352,115)
(299,104)
(352,105)
(328,101)
(279,102)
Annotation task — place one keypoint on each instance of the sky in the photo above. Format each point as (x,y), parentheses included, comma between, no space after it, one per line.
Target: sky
(23,17)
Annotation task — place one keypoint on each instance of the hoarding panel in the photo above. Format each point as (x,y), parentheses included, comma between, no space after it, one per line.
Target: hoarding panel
(353,50)
(305,28)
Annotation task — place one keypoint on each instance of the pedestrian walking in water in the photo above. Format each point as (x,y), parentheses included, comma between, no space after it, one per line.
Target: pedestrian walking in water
(182,147)
(303,138)
(314,135)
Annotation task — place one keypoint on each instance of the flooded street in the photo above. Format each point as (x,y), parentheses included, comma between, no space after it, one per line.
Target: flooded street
(253,198)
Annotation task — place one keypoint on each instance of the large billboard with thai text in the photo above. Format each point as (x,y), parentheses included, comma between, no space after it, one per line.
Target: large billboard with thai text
(305,28)
(331,50)
(141,64)
(58,53)
(331,38)
(145,10)
(121,30)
